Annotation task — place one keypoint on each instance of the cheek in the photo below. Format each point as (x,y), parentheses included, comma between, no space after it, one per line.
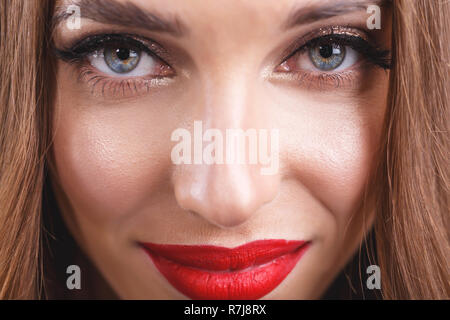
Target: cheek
(330,150)
(339,162)
(108,163)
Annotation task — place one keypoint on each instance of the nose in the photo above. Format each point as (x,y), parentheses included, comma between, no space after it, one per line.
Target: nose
(228,194)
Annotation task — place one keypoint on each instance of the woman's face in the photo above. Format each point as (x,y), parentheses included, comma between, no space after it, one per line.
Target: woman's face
(138,86)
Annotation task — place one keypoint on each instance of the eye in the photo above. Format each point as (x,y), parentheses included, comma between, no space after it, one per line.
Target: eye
(322,57)
(122,60)
(327,56)
(119,64)
(125,61)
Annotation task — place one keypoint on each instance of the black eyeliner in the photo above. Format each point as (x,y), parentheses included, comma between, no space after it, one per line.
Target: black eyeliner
(375,55)
(90,44)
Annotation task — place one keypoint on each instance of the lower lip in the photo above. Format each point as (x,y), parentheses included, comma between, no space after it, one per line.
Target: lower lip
(247,272)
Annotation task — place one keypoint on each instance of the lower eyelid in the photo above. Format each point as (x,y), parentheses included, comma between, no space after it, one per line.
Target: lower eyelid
(324,81)
(349,78)
(101,85)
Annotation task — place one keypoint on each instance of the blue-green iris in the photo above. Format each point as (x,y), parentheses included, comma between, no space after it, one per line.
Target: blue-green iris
(121,60)
(327,56)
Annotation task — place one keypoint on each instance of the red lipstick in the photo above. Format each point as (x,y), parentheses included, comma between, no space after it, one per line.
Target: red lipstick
(247,272)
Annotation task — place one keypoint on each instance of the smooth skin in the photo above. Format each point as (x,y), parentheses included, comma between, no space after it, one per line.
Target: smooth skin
(116,183)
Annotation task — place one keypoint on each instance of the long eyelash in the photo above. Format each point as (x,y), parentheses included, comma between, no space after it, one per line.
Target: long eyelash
(82,49)
(373,54)
(113,85)
(77,54)
(324,81)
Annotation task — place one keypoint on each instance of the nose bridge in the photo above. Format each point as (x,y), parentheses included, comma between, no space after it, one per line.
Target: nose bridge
(229,187)
(227,98)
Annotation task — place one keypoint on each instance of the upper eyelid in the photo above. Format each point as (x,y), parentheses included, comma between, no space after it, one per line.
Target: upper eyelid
(311,42)
(363,45)
(86,42)
(334,37)
(300,42)
(150,46)
(136,41)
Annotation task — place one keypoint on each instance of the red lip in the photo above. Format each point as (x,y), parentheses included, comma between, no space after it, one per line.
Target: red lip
(208,272)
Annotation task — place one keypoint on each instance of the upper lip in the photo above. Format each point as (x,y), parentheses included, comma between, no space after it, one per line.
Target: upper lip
(214,258)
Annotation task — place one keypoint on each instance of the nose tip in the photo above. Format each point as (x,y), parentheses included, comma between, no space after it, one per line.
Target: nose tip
(225,195)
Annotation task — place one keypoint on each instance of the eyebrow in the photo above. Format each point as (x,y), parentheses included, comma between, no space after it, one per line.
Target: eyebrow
(334,8)
(130,15)
(116,13)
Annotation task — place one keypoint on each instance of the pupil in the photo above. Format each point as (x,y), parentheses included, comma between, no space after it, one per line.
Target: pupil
(326,51)
(123,54)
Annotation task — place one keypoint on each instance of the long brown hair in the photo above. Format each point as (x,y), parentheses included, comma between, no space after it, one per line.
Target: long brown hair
(412,222)
(24,133)
(412,179)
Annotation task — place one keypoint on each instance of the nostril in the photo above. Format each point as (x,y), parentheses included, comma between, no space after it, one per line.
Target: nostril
(228,221)
(223,207)
(224,195)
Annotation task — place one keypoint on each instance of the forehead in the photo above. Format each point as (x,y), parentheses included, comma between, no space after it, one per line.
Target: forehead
(199,8)
(229,14)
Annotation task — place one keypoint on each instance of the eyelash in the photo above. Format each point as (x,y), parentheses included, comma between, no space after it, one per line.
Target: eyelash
(375,55)
(78,53)
(371,55)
